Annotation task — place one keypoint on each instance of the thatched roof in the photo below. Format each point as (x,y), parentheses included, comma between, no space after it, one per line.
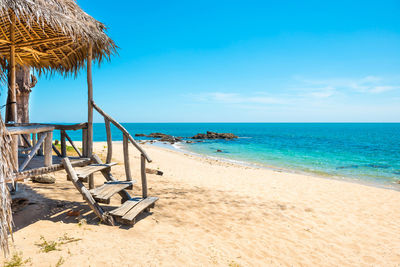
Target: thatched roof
(6,171)
(51,34)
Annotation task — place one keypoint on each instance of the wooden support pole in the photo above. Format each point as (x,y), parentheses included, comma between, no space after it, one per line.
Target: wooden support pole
(33,139)
(40,151)
(90,110)
(127,165)
(12,93)
(14,145)
(109,140)
(143,175)
(63,144)
(47,147)
(84,142)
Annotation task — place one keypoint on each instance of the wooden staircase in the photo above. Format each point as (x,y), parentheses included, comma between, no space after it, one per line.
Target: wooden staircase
(130,208)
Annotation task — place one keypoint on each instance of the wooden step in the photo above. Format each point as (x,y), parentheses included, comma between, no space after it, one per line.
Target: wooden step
(104,192)
(84,172)
(127,213)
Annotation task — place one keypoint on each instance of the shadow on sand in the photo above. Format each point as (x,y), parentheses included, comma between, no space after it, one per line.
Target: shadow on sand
(38,208)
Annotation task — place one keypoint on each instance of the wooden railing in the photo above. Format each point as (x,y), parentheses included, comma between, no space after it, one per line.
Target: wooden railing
(65,137)
(126,139)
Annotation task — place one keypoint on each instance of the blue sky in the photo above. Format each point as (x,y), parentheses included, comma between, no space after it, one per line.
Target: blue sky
(238,61)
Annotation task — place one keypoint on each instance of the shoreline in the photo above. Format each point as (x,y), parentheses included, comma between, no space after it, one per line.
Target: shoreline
(180,148)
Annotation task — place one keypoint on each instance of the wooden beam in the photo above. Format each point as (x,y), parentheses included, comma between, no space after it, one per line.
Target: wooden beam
(56,150)
(73,145)
(37,41)
(33,51)
(109,140)
(12,116)
(126,158)
(63,144)
(5,41)
(72,127)
(90,110)
(84,142)
(47,147)
(123,130)
(43,170)
(33,152)
(143,175)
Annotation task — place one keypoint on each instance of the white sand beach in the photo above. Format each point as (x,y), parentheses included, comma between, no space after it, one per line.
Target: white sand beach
(216,213)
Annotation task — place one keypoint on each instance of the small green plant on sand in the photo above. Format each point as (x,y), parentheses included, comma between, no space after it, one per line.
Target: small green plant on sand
(60,262)
(16,260)
(46,246)
(234,264)
(66,239)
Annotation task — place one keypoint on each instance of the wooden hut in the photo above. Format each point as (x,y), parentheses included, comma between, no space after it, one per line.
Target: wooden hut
(58,36)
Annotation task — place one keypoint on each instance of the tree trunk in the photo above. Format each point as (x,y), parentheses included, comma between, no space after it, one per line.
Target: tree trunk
(24,82)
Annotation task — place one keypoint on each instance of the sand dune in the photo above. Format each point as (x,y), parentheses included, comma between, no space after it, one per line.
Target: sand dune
(217,213)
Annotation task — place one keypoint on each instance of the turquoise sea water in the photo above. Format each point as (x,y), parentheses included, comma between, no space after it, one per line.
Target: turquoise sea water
(368,152)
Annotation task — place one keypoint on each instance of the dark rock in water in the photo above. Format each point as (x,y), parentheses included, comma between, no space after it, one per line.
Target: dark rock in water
(44,179)
(213,135)
(200,136)
(170,138)
(219,150)
(140,135)
(189,142)
(157,135)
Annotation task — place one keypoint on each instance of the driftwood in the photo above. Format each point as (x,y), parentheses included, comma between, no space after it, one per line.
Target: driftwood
(152,171)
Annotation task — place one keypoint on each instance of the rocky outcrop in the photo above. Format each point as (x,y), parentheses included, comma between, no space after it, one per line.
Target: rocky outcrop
(213,135)
(44,179)
(140,135)
(170,138)
(157,135)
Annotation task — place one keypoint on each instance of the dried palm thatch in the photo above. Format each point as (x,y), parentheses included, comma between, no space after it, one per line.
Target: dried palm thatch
(51,35)
(6,169)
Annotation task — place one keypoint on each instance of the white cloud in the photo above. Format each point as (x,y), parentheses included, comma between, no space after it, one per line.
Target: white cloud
(367,84)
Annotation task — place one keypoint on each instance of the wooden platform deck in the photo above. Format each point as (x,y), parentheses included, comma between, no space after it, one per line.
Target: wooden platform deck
(36,165)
